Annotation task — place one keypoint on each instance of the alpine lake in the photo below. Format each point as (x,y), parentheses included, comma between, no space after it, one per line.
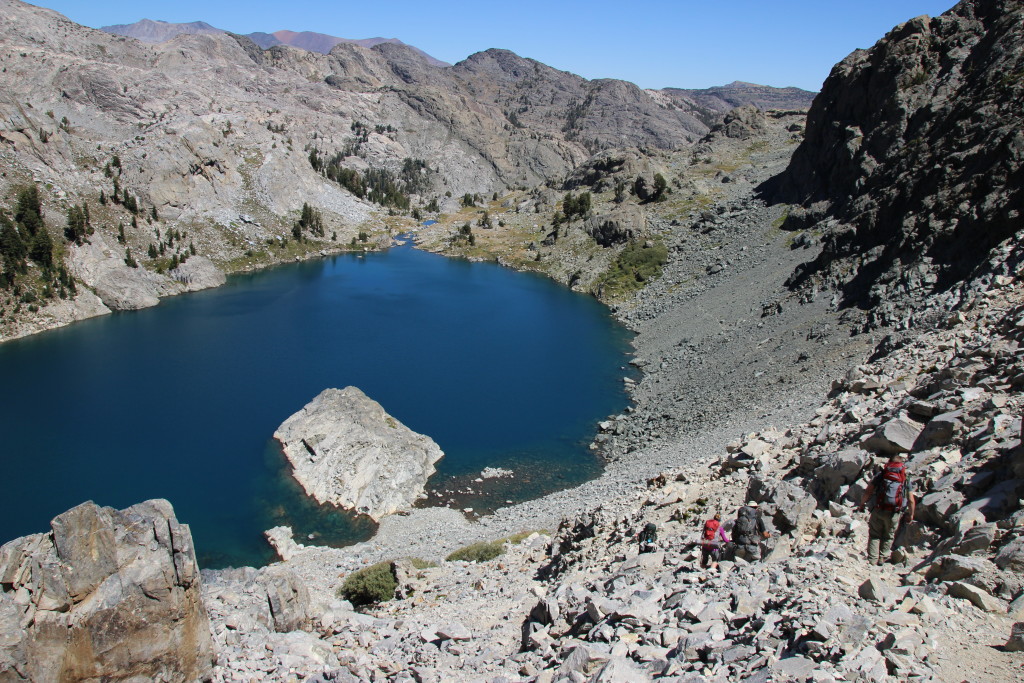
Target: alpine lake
(180,401)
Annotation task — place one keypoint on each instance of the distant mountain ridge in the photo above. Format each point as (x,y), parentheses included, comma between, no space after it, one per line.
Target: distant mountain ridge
(724,98)
(155,31)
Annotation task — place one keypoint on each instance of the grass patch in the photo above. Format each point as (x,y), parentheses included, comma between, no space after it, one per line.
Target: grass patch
(421,563)
(485,551)
(479,552)
(635,265)
(370,585)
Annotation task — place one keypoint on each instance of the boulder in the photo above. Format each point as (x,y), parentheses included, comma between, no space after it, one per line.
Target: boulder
(937,507)
(102,268)
(939,431)
(876,590)
(956,568)
(1016,641)
(837,469)
(198,272)
(1011,555)
(977,538)
(346,451)
(787,506)
(288,599)
(977,596)
(895,436)
(109,595)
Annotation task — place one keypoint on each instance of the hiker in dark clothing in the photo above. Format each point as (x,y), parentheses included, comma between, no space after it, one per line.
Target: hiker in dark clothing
(893,500)
(748,531)
(711,543)
(648,538)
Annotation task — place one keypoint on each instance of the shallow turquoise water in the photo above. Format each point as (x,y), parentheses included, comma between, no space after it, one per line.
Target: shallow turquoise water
(181,401)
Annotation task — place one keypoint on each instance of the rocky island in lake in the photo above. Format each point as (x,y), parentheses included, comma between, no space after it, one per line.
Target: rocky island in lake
(347,451)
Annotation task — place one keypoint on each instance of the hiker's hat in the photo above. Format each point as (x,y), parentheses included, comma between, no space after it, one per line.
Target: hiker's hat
(751,503)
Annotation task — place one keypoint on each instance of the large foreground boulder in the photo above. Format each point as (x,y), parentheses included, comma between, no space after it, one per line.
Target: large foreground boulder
(106,595)
(346,451)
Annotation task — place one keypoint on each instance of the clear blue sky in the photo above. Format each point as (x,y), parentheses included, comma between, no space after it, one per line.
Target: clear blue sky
(655,44)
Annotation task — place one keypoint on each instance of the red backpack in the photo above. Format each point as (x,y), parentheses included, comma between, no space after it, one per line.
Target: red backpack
(710,529)
(891,487)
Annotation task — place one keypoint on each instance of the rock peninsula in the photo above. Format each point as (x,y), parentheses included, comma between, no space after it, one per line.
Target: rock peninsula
(347,451)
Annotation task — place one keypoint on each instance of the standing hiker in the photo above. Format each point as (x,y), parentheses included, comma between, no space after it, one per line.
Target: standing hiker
(748,531)
(711,543)
(893,500)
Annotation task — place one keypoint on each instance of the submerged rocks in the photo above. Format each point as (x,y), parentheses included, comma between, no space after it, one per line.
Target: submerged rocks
(106,595)
(347,451)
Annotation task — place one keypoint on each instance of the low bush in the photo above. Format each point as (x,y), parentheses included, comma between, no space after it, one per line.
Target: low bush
(479,552)
(488,550)
(369,585)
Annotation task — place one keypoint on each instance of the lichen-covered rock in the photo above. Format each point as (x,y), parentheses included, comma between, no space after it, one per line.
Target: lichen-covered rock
(106,595)
(347,451)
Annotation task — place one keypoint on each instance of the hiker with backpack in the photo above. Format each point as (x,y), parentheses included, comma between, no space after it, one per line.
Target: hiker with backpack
(893,500)
(748,531)
(711,543)
(648,538)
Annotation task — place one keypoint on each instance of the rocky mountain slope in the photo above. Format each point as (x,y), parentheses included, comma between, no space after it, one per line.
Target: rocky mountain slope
(208,146)
(724,98)
(911,165)
(156,31)
(751,391)
(149,31)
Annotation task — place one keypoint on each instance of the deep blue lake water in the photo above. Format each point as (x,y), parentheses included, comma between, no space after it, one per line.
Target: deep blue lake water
(180,401)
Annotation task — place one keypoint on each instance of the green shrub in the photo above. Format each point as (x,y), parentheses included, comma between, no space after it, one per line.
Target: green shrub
(635,265)
(369,585)
(479,552)
(488,550)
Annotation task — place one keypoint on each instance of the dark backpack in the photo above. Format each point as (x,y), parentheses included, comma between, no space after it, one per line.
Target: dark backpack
(649,534)
(710,529)
(891,487)
(746,526)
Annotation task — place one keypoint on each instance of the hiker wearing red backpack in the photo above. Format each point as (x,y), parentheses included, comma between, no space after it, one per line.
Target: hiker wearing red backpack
(893,499)
(711,543)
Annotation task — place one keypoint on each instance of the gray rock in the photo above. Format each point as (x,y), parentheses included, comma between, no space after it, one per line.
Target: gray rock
(839,468)
(938,431)
(114,595)
(977,596)
(1011,555)
(198,272)
(1016,609)
(977,539)
(788,506)
(346,451)
(895,436)
(937,507)
(620,670)
(288,599)
(876,590)
(1016,640)
(956,568)
(454,631)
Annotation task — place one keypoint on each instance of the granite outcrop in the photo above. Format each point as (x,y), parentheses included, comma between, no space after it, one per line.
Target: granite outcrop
(910,168)
(105,595)
(345,450)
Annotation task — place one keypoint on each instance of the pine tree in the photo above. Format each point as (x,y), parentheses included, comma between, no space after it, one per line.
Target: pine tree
(28,210)
(40,248)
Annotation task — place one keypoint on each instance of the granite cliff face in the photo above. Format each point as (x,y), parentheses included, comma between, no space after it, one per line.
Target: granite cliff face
(346,451)
(911,163)
(105,595)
